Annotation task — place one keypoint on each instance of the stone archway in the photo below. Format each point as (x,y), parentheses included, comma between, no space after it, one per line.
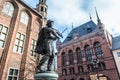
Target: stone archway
(81,79)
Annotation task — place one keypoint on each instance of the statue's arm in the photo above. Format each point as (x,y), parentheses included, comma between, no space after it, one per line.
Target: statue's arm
(54,32)
(57,33)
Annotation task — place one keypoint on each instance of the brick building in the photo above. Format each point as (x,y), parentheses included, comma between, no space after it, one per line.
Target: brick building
(86,54)
(19,27)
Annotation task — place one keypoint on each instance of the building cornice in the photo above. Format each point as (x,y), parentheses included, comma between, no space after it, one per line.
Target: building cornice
(79,39)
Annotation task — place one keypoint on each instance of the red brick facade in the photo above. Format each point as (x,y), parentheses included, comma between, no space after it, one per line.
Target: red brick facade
(81,69)
(8,57)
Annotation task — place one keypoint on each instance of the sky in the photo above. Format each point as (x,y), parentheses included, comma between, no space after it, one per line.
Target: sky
(66,13)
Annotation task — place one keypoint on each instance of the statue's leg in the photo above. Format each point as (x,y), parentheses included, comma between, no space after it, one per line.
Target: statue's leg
(50,61)
(51,57)
(42,61)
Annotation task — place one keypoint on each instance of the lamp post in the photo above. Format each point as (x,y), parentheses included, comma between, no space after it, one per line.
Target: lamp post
(95,62)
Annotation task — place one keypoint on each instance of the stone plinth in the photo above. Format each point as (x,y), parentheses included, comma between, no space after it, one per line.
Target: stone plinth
(46,75)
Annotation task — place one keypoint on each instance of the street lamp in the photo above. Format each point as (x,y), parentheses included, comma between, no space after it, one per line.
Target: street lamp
(95,62)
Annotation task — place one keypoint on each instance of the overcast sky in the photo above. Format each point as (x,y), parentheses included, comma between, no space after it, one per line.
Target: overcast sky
(66,12)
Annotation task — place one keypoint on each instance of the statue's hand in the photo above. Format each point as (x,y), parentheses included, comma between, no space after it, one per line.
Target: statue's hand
(61,35)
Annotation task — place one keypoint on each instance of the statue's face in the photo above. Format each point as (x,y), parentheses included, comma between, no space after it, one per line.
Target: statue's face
(50,24)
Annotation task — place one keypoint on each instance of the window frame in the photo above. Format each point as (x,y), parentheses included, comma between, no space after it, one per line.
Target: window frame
(6,34)
(18,45)
(8,75)
(33,46)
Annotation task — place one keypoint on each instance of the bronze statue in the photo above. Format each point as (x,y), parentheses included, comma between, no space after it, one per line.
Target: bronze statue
(45,44)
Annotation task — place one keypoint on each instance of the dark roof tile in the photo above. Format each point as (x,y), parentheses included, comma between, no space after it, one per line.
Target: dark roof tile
(81,30)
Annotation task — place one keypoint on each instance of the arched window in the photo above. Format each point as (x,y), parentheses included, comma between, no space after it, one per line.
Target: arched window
(24,18)
(90,67)
(79,55)
(8,9)
(63,59)
(98,50)
(72,79)
(71,57)
(80,69)
(101,66)
(88,53)
(81,79)
(64,72)
(72,71)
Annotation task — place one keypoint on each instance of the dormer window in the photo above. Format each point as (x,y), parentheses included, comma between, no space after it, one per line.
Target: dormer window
(89,29)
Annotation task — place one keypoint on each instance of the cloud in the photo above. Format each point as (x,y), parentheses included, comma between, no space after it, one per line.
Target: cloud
(66,12)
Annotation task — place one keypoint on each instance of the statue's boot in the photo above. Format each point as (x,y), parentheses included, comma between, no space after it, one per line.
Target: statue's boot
(42,61)
(50,61)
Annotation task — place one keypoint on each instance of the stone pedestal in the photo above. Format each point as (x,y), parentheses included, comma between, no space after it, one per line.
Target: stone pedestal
(46,75)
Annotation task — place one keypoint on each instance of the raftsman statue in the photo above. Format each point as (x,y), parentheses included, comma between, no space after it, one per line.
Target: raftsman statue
(45,44)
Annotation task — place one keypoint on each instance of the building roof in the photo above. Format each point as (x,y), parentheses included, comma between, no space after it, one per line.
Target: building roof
(81,30)
(116,43)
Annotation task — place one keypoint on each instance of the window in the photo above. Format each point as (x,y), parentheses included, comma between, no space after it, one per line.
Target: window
(72,71)
(89,29)
(8,8)
(45,9)
(98,49)
(63,59)
(19,43)
(42,9)
(79,55)
(24,18)
(80,69)
(71,57)
(103,65)
(13,74)
(88,53)
(42,0)
(33,45)
(99,66)
(3,35)
(64,71)
(118,54)
(89,68)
